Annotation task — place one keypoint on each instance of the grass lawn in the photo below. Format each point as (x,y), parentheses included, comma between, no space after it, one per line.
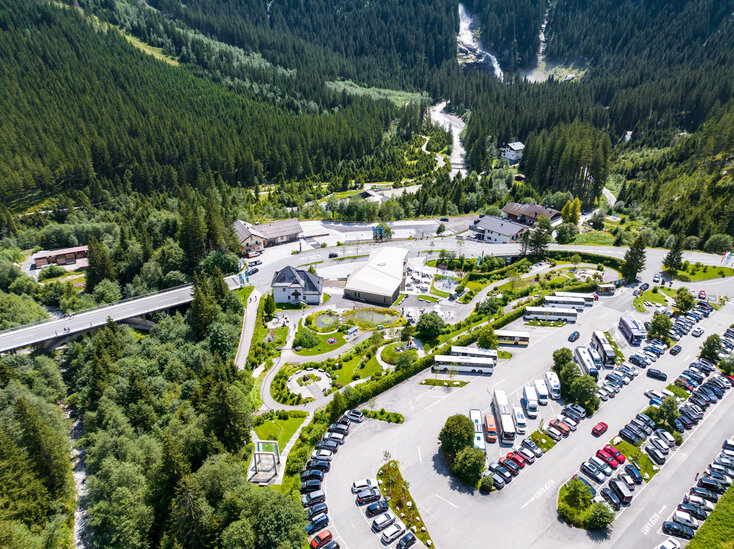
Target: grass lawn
(244,293)
(309,264)
(504,354)
(637,457)
(399,300)
(443,383)
(695,274)
(389,355)
(717,532)
(617,350)
(279,429)
(439,293)
(382,415)
(255,394)
(346,373)
(323,346)
(350,257)
(327,297)
(543,441)
(394,486)
(546,323)
(307,379)
(594,238)
(678,391)
(428,298)
(648,295)
(280,307)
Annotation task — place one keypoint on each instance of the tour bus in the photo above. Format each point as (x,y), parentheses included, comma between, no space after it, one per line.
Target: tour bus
(507,429)
(551,314)
(476,418)
(606,289)
(596,357)
(501,405)
(457,350)
(553,384)
(491,428)
(509,337)
(568,302)
(582,357)
(463,364)
(588,298)
(600,342)
(542,391)
(632,330)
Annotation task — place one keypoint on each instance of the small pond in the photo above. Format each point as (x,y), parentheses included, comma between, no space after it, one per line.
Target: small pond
(366,316)
(326,320)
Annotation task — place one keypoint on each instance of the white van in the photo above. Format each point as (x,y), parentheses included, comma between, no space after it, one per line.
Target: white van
(542,391)
(519,418)
(553,384)
(530,398)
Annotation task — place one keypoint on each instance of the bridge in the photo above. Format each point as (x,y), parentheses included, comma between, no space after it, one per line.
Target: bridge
(58,330)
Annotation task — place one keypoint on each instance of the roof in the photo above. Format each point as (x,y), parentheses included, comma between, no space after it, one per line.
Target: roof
(60,251)
(289,277)
(500,226)
(515,145)
(268,231)
(382,274)
(533,211)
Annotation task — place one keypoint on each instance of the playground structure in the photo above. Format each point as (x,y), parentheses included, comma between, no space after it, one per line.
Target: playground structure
(266,461)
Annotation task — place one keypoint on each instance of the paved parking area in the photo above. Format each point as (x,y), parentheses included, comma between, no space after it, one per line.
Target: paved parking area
(524,513)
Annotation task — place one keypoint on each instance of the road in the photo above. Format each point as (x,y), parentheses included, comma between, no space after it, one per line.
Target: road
(524,513)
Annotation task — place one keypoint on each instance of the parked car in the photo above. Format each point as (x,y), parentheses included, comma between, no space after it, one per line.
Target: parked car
(711,484)
(675,349)
(611,498)
(316,510)
(702,294)
(253,271)
(629,436)
(317,523)
(330,445)
(319,464)
(501,471)
(674,529)
(321,539)
(578,409)
(362,485)
(601,465)
(633,472)
(599,429)
(607,458)
(528,443)
(704,493)
(325,455)
(355,415)
(383,521)
(695,512)
(657,374)
(312,474)
(368,496)
(655,454)
(574,336)
(517,458)
(590,469)
(510,465)
(374,509)
(332,255)
(312,498)
(408,540)
(391,533)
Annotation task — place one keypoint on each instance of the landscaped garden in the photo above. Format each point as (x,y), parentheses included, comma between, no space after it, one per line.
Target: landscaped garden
(382,415)
(401,502)
(369,318)
(696,272)
(310,343)
(279,426)
(444,382)
(391,353)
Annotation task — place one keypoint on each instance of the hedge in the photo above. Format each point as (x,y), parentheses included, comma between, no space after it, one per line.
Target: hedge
(521,266)
(607,261)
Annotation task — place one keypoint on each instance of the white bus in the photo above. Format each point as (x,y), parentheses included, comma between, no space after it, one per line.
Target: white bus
(479,442)
(509,337)
(582,357)
(476,418)
(568,302)
(473,351)
(600,342)
(501,406)
(553,384)
(463,364)
(551,313)
(507,429)
(588,298)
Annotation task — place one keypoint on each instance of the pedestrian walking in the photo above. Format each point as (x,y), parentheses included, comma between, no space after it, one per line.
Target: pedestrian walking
(697,475)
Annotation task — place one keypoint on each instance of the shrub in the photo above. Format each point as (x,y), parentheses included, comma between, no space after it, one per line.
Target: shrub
(486,485)
(306,338)
(51,271)
(600,516)
(468,465)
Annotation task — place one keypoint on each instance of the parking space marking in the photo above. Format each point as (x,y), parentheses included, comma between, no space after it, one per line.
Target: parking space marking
(420,457)
(446,501)
(651,523)
(539,492)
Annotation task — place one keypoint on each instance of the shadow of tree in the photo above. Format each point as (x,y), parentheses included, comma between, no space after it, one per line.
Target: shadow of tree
(442,468)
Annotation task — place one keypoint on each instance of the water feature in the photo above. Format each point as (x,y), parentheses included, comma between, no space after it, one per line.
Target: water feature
(326,320)
(455,125)
(369,317)
(470,49)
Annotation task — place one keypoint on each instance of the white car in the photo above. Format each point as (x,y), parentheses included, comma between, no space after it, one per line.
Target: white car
(697,332)
(669,543)
(656,278)
(601,465)
(325,455)
(360,485)
(391,534)
(355,415)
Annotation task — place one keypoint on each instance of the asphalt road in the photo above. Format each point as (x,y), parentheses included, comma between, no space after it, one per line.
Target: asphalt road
(524,513)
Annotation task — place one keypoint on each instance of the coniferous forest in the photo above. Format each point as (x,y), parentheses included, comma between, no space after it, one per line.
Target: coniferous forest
(144,129)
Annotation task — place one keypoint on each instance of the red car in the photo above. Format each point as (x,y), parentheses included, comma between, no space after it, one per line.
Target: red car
(599,429)
(612,451)
(607,458)
(517,458)
(702,294)
(321,539)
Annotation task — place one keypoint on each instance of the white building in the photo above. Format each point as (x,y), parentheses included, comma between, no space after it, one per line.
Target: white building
(512,152)
(381,279)
(496,229)
(295,285)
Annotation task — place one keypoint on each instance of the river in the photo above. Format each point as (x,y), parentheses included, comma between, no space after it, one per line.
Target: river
(470,49)
(454,124)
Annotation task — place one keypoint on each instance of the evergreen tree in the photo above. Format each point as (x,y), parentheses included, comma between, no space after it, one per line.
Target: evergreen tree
(540,237)
(674,258)
(100,265)
(216,232)
(201,312)
(229,416)
(634,259)
(190,520)
(269,305)
(191,235)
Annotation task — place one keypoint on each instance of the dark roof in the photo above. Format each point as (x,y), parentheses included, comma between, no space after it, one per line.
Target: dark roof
(500,226)
(533,211)
(290,276)
(283,227)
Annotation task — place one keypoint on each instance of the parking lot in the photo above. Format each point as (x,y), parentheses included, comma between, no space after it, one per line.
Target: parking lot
(524,513)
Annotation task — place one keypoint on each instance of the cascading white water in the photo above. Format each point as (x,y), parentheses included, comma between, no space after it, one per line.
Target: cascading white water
(469,46)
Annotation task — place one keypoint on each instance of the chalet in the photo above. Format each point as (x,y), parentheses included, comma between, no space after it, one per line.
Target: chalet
(254,238)
(76,256)
(497,229)
(528,214)
(512,152)
(295,285)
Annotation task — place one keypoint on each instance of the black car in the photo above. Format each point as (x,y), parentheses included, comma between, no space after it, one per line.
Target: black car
(705,494)
(611,497)
(511,466)
(644,417)
(310,486)
(312,474)
(636,430)
(339,428)
(253,271)
(634,473)
(678,425)
(327,445)
(711,484)
(319,464)
(629,436)
(685,420)
(657,374)
(408,540)
(316,510)
(574,336)
(344,420)
(377,508)
(332,255)
(368,496)
(678,530)
(695,512)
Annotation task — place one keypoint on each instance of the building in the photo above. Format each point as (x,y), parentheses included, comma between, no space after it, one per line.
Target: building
(381,280)
(295,285)
(528,214)
(512,152)
(371,195)
(496,229)
(254,238)
(76,256)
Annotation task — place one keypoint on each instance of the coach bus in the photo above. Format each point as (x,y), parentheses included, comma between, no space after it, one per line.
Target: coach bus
(504,417)
(551,313)
(588,298)
(631,330)
(463,364)
(570,302)
(509,337)
(582,357)
(600,342)
(457,350)
(606,289)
